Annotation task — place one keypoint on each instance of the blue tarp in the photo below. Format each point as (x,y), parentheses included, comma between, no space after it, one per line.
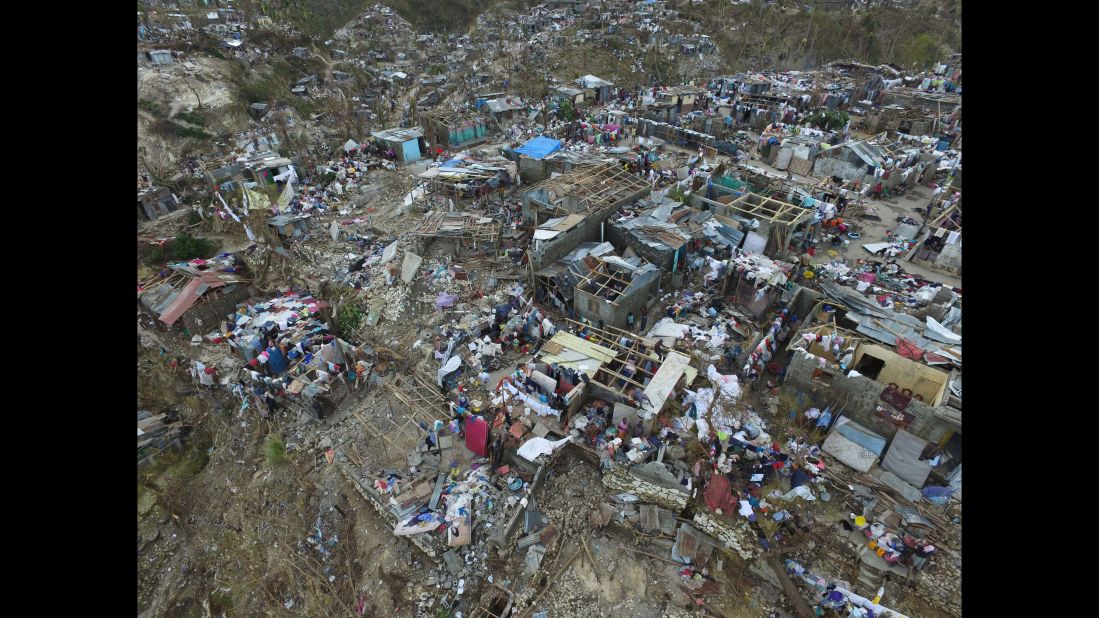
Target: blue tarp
(539,147)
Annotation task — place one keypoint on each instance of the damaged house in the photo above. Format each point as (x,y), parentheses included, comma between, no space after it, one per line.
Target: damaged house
(453,130)
(407,144)
(155,202)
(196,295)
(582,201)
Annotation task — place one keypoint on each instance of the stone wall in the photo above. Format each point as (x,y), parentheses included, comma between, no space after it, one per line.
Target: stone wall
(732,533)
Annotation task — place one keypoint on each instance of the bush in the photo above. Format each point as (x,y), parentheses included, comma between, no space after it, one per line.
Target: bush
(348,319)
(187,247)
(151,106)
(274,451)
(191,117)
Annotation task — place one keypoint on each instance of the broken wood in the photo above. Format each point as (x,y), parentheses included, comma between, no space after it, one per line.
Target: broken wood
(800,605)
(549,584)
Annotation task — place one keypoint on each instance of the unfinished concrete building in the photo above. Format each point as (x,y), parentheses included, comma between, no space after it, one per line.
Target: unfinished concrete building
(614,287)
(583,200)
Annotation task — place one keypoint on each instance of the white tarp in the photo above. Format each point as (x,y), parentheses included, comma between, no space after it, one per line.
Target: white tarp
(449,366)
(531,449)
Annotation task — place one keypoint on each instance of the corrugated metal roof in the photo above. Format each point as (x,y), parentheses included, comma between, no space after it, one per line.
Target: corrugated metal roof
(194,290)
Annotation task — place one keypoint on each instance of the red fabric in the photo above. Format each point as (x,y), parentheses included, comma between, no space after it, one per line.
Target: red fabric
(908,349)
(477,435)
(719,495)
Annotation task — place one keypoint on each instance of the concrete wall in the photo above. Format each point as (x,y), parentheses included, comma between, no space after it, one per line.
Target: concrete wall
(834,166)
(596,308)
(927,382)
(558,247)
(930,423)
(532,170)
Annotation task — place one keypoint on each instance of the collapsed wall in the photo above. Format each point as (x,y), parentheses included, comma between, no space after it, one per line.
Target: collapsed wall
(733,534)
(433,545)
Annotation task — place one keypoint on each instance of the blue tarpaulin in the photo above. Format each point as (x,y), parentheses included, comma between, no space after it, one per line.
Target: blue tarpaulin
(539,147)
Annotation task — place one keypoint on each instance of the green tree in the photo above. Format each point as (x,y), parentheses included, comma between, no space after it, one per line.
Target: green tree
(566,110)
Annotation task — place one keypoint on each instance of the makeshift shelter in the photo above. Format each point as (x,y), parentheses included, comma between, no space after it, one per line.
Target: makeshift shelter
(407,144)
(595,89)
(196,293)
(453,130)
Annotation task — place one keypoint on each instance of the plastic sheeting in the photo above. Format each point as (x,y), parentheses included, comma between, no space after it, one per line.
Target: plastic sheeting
(535,447)
(539,147)
(448,367)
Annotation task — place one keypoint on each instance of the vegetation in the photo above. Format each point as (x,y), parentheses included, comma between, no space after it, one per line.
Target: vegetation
(829,119)
(566,111)
(781,39)
(274,451)
(187,247)
(152,107)
(349,318)
(194,118)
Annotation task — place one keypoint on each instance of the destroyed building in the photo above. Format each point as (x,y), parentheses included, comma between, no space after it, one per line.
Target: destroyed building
(583,200)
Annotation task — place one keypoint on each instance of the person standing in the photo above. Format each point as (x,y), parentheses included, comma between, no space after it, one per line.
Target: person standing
(629,321)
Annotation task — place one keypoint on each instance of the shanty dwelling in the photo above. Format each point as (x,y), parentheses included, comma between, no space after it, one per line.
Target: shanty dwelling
(155,202)
(258,110)
(453,130)
(408,144)
(562,93)
(504,108)
(267,167)
(850,161)
(595,89)
(532,155)
(894,398)
(160,56)
(290,226)
(574,207)
(777,220)
(196,297)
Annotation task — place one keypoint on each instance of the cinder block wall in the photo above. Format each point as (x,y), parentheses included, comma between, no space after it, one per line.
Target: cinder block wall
(862,399)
